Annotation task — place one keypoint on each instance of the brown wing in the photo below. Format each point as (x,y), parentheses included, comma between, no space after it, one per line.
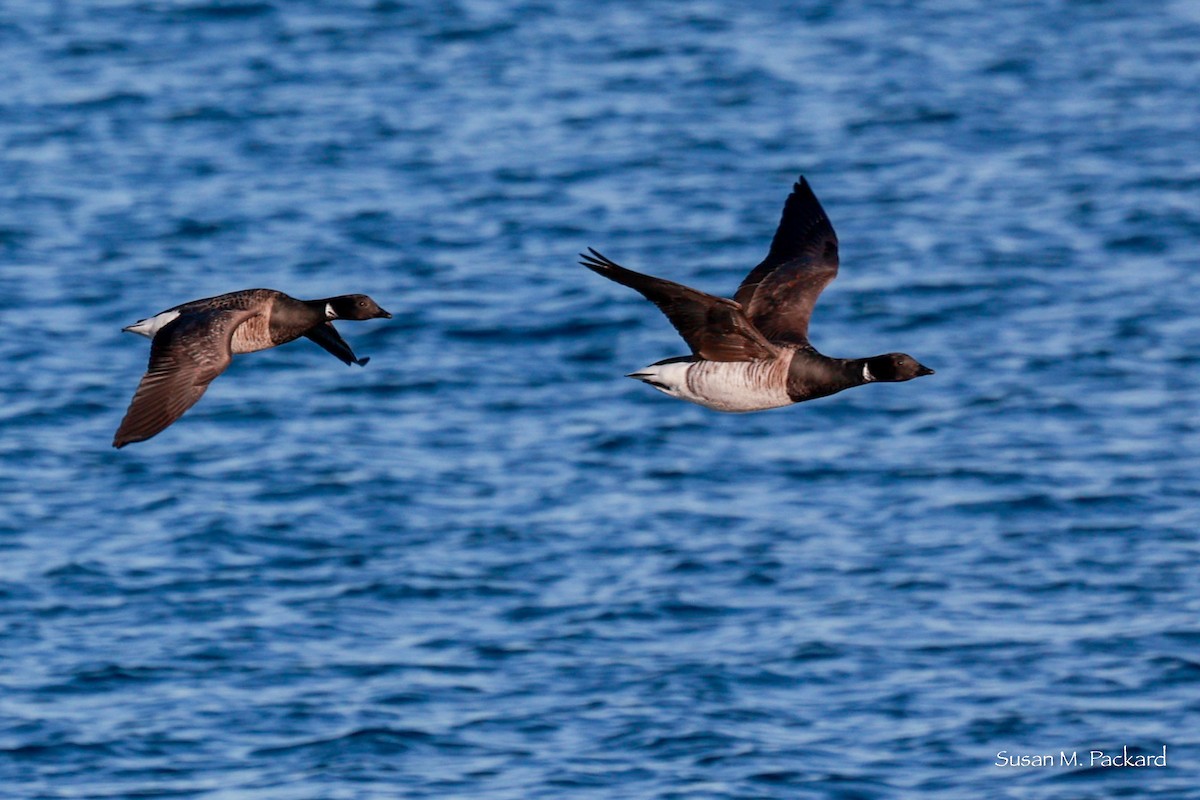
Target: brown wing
(328,337)
(230,301)
(779,294)
(184,358)
(715,328)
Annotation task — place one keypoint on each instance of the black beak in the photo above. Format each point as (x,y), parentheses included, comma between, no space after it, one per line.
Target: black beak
(924,370)
(383,314)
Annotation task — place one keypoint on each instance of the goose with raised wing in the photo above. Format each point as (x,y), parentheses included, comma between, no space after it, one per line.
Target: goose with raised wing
(752,352)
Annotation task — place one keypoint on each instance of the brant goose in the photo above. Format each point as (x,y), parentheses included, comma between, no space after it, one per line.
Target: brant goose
(752,352)
(194,343)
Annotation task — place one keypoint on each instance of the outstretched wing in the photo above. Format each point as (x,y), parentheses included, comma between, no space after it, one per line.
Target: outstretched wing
(779,294)
(328,337)
(185,356)
(715,328)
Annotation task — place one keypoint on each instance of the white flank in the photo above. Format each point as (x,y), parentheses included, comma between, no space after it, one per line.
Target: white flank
(867,376)
(149,327)
(722,385)
(329,312)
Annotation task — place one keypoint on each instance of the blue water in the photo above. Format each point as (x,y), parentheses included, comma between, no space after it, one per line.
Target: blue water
(489,566)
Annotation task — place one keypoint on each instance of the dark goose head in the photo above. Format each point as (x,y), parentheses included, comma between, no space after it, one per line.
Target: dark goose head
(894,368)
(355,306)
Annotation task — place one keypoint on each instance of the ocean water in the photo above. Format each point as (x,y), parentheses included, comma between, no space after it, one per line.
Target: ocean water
(489,566)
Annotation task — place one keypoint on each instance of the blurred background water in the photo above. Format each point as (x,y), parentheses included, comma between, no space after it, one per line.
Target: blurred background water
(487,565)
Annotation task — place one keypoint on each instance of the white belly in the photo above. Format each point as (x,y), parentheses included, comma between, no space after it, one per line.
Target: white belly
(723,385)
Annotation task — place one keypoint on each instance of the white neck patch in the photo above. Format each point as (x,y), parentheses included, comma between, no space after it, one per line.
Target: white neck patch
(867,376)
(329,312)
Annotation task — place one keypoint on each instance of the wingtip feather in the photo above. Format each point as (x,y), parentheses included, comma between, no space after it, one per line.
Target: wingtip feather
(595,261)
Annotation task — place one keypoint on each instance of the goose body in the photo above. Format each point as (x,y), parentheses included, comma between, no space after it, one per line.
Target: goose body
(194,342)
(752,352)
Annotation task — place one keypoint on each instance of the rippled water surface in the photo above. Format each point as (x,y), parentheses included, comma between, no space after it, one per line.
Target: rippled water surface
(489,566)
